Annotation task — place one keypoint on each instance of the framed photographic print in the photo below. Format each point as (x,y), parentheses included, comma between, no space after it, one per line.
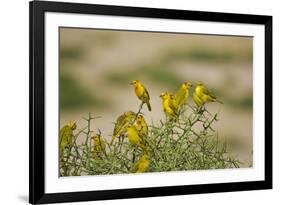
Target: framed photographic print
(140,102)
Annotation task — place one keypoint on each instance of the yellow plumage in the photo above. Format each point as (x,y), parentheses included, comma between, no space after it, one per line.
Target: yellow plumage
(142,93)
(142,164)
(197,100)
(122,122)
(99,145)
(133,135)
(202,95)
(169,105)
(66,136)
(182,94)
(141,126)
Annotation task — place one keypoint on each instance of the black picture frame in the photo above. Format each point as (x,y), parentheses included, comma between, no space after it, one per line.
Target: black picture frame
(37,10)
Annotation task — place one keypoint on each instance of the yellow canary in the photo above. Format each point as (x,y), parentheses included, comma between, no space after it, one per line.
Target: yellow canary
(204,95)
(66,136)
(197,100)
(169,105)
(141,93)
(133,135)
(182,94)
(122,122)
(99,145)
(141,126)
(142,164)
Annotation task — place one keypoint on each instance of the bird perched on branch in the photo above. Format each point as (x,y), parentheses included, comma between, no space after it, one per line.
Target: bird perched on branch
(122,122)
(66,136)
(169,105)
(99,145)
(141,126)
(133,135)
(142,164)
(182,94)
(141,93)
(197,100)
(202,95)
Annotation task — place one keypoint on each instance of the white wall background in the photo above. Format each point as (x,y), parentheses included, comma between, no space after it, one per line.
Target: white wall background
(14,44)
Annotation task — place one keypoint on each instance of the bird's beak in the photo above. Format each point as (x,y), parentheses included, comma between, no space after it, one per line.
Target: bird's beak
(131,83)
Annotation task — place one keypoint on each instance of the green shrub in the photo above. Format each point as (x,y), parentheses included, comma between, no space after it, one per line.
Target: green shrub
(191,143)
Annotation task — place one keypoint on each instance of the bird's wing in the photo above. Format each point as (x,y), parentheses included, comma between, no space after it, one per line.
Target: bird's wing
(179,94)
(172,105)
(66,135)
(118,124)
(197,100)
(146,94)
(62,131)
(207,92)
(65,132)
(121,119)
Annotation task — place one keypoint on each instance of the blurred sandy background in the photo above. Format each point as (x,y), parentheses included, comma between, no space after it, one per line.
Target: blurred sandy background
(96,67)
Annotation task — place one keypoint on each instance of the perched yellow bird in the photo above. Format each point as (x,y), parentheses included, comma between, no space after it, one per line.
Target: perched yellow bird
(122,122)
(142,164)
(99,145)
(197,100)
(141,93)
(66,136)
(202,95)
(141,126)
(182,94)
(169,105)
(133,135)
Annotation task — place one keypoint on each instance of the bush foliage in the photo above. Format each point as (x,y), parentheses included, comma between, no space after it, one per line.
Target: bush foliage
(190,143)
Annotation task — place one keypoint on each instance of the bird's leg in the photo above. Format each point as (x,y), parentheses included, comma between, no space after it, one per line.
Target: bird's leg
(198,109)
(134,153)
(139,111)
(192,107)
(207,111)
(141,105)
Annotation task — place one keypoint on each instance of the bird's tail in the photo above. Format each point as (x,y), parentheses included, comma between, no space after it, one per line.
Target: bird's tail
(148,106)
(219,101)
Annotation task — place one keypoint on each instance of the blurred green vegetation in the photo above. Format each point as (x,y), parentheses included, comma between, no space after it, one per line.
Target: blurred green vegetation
(202,54)
(160,74)
(74,96)
(71,53)
(245,102)
(188,144)
(162,71)
(120,78)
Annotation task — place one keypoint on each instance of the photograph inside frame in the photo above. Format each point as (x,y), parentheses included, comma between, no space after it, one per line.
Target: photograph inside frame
(137,102)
